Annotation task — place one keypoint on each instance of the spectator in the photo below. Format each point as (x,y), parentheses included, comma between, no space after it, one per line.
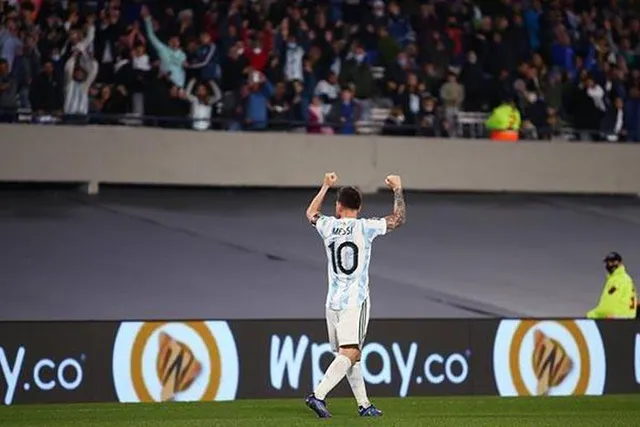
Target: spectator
(395,125)
(9,42)
(536,117)
(328,91)
(274,71)
(632,115)
(553,124)
(473,81)
(141,67)
(178,107)
(455,35)
(495,44)
(112,103)
(235,107)
(8,92)
(202,102)
(452,96)
(45,94)
(76,40)
(399,26)
(532,15)
(613,86)
(299,103)
(108,34)
(279,109)
(230,38)
(234,69)
(337,56)
(345,113)
(186,29)
(171,56)
(425,22)
(358,73)
(430,77)
(260,90)
(397,72)
(124,74)
(500,56)
(308,79)
(613,123)
(553,91)
(293,56)
(76,86)
(368,36)
(378,14)
(257,56)
(206,61)
(519,39)
(135,36)
(563,55)
(596,93)
(430,120)
(315,117)
(388,47)
(26,67)
(409,97)
(439,53)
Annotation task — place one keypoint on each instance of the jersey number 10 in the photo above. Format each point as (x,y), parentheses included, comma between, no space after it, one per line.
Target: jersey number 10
(336,257)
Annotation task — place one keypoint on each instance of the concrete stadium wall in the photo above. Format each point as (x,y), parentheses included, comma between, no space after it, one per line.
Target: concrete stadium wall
(181,157)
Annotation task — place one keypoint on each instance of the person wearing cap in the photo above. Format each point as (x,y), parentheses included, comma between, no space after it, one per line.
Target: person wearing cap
(618,300)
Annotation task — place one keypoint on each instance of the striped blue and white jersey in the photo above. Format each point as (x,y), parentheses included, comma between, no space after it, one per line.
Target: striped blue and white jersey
(348,245)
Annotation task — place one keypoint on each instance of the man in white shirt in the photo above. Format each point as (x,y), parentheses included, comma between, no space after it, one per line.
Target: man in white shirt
(348,241)
(596,93)
(328,90)
(293,60)
(78,80)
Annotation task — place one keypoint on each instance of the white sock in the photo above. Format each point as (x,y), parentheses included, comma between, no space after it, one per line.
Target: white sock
(356,381)
(335,372)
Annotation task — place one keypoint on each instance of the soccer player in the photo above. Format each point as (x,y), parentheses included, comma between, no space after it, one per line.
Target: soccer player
(348,240)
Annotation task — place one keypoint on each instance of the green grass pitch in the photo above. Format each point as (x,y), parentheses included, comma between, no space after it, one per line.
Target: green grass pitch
(608,411)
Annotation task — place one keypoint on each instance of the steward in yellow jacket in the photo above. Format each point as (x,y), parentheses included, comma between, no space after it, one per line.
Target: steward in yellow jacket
(618,299)
(504,117)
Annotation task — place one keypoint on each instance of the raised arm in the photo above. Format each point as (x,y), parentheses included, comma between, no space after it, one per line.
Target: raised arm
(206,60)
(399,215)
(87,42)
(69,66)
(313,211)
(161,48)
(216,93)
(189,91)
(92,72)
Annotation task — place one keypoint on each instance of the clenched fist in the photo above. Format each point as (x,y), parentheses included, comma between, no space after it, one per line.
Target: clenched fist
(330,178)
(394,182)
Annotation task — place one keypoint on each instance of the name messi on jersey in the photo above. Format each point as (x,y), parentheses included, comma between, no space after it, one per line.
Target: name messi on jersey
(342,231)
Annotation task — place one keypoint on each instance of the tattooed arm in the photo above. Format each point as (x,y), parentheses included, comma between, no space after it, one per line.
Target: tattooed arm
(399,215)
(313,211)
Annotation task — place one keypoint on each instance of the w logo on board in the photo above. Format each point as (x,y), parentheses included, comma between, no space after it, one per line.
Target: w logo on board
(176,365)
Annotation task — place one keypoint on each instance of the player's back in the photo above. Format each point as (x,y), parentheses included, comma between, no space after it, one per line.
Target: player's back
(348,244)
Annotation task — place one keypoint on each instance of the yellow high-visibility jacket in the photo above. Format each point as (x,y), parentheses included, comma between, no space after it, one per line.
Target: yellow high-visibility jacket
(504,117)
(618,299)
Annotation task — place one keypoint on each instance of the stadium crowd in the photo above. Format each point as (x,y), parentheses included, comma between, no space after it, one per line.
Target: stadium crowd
(325,65)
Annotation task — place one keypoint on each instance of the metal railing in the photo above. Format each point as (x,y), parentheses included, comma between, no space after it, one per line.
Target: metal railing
(470,125)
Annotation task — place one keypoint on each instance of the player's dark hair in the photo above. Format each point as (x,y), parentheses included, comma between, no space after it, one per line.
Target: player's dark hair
(350,198)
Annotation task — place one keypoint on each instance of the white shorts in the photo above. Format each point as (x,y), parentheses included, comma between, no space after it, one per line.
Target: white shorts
(348,326)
